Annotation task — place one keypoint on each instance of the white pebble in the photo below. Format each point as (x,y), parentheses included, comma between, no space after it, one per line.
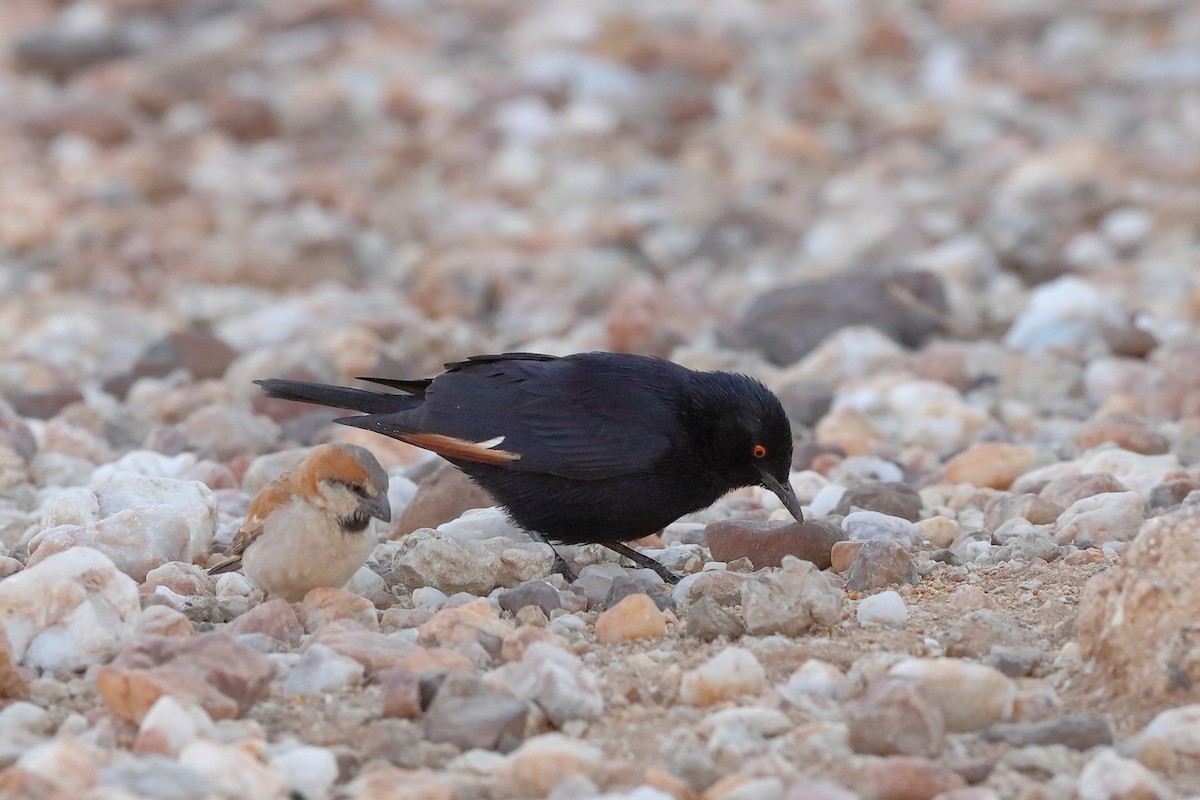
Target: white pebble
(871,468)
(234,770)
(171,725)
(322,669)
(1109,777)
(310,772)
(862,526)
(741,732)
(428,596)
(820,678)
(477,524)
(1127,228)
(25,716)
(731,673)
(826,499)
(234,584)
(543,762)
(1067,312)
(1176,728)
(886,609)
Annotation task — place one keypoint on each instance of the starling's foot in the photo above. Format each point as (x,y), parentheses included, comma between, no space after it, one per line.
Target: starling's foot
(560,564)
(643,560)
(560,568)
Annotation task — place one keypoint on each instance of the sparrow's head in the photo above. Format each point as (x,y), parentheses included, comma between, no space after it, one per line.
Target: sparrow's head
(348,481)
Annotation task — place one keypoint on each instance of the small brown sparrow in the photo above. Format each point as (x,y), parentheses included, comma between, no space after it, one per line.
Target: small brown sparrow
(312,526)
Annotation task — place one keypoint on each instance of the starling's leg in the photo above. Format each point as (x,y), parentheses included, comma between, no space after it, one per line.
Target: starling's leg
(560,565)
(643,561)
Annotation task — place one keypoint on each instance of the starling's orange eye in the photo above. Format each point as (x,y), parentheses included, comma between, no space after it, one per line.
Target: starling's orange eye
(760,451)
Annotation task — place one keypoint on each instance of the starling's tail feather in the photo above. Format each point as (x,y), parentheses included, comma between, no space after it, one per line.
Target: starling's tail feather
(338,396)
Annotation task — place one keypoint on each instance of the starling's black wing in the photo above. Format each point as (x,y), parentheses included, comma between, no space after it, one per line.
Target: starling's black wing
(587,417)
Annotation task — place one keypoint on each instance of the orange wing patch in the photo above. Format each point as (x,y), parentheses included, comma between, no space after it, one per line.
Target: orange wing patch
(449,447)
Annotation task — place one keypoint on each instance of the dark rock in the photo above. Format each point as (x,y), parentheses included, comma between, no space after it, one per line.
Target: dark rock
(1128,340)
(530,593)
(945,556)
(805,402)
(246,118)
(196,350)
(233,669)
(1014,661)
(892,718)
(102,122)
(468,713)
(804,453)
(43,404)
(15,433)
(766,543)
(622,586)
(1067,490)
(894,499)
(274,618)
(880,563)
(1170,493)
(980,631)
(908,778)
(723,586)
(1076,731)
(307,428)
(707,620)
(61,53)
(401,742)
(1031,507)
(1027,546)
(401,693)
(12,683)
(787,323)
(445,494)
(1187,448)
(397,618)
(1044,202)
(1127,431)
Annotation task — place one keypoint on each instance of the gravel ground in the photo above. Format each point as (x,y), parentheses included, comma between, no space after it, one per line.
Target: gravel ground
(958,238)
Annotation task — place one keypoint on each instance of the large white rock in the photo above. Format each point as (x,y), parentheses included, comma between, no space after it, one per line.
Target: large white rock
(970,696)
(431,558)
(71,610)
(1105,517)
(556,680)
(138,521)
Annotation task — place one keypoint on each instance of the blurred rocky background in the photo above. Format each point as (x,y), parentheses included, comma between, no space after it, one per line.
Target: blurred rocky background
(960,238)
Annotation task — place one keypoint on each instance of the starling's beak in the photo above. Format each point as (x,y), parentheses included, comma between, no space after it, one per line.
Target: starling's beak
(783,490)
(377,507)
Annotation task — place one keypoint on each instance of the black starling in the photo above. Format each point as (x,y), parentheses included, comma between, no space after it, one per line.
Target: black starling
(591,447)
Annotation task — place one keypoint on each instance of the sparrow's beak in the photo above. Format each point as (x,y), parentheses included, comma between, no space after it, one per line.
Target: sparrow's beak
(783,490)
(377,507)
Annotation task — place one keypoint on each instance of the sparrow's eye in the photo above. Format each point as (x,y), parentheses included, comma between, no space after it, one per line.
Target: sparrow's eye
(760,451)
(359,490)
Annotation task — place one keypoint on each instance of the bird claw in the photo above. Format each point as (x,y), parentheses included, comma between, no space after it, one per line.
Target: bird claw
(560,568)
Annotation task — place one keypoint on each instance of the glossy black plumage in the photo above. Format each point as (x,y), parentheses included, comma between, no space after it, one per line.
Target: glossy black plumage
(592,447)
